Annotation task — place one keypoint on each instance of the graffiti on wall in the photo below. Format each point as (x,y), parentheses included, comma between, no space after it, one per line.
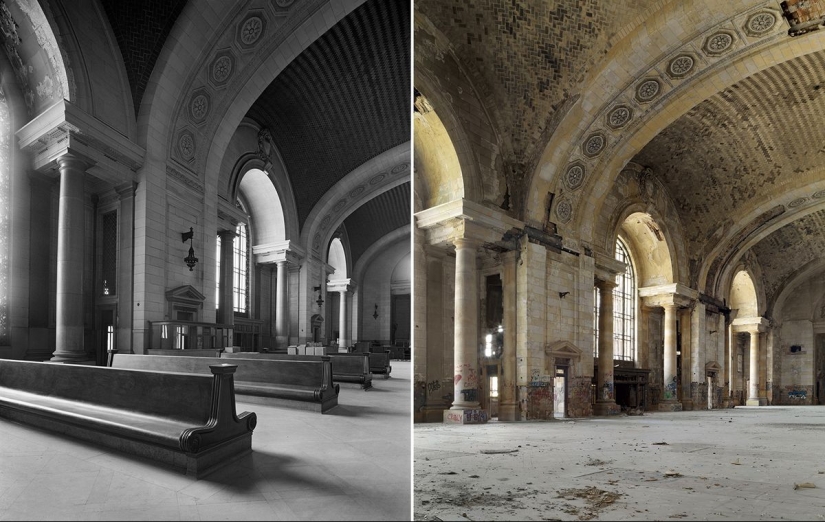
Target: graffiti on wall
(670,389)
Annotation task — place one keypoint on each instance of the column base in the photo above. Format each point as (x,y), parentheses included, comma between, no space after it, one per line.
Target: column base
(759,401)
(687,405)
(671,405)
(465,416)
(508,412)
(72,359)
(606,408)
(430,414)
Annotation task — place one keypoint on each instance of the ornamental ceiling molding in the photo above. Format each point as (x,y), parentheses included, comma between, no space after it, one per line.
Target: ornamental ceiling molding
(650,89)
(376,176)
(243,44)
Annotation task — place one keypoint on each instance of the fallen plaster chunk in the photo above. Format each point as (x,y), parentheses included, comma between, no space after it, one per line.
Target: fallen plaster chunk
(497,451)
(804,485)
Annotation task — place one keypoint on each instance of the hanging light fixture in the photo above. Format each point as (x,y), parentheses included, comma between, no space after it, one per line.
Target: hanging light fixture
(190,260)
(375,313)
(320,300)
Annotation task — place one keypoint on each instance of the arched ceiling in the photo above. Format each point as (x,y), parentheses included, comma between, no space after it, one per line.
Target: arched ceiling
(787,250)
(528,57)
(743,146)
(742,164)
(344,100)
(141,28)
(376,218)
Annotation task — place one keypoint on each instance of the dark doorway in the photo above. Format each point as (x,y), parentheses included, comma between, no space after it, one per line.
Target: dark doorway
(400,318)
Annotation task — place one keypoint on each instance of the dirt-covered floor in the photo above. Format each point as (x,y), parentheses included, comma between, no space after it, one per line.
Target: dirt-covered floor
(746,463)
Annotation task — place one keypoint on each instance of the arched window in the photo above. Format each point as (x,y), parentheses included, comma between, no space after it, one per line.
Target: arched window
(5,203)
(624,310)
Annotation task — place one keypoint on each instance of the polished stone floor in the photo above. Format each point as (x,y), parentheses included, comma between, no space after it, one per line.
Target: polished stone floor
(352,463)
(746,463)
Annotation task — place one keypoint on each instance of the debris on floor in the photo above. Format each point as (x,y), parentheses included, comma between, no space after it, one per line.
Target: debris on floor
(595,498)
(671,473)
(660,444)
(497,451)
(801,485)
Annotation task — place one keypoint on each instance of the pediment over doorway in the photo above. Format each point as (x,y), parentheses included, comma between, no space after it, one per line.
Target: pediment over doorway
(563,349)
(186,295)
(712,367)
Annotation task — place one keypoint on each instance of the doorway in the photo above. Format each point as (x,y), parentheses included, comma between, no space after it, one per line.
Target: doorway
(106,337)
(560,392)
(819,370)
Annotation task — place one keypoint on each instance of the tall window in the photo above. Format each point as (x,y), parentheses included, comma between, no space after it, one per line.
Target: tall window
(240,277)
(5,203)
(624,310)
(240,273)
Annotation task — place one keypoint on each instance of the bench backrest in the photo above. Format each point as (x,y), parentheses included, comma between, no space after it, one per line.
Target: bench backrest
(376,359)
(206,352)
(296,373)
(181,396)
(352,364)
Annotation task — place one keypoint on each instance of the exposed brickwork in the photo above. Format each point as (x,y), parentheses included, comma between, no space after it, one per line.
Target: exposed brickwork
(343,101)
(377,218)
(788,249)
(527,57)
(141,28)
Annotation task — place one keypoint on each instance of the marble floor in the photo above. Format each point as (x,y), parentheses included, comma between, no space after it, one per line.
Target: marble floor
(746,463)
(352,463)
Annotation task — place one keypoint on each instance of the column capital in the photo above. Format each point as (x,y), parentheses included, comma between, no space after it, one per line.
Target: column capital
(465,242)
(340,285)
(72,161)
(227,234)
(605,286)
(750,325)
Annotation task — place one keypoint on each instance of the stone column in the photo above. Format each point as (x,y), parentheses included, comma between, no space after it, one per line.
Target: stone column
(605,393)
(70,237)
(466,408)
(226,304)
(343,342)
(508,409)
(125,281)
(669,384)
(753,386)
(281,306)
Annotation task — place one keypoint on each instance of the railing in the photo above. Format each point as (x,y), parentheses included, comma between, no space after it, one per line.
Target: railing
(189,335)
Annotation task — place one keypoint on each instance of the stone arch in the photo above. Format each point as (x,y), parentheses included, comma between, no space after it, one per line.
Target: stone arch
(263,205)
(815,268)
(438,175)
(639,210)
(338,258)
(440,77)
(376,176)
(743,294)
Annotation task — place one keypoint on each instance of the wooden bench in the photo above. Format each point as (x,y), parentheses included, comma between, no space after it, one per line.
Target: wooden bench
(185,421)
(346,370)
(206,352)
(305,385)
(379,362)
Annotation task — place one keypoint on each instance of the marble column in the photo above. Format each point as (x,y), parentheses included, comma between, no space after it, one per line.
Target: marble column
(508,409)
(669,401)
(343,342)
(466,408)
(281,306)
(69,325)
(605,393)
(226,304)
(753,386)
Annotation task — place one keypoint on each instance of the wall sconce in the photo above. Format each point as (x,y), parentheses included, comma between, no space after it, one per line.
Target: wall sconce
(190,260)
(320,300)
(562,295)
(375,313)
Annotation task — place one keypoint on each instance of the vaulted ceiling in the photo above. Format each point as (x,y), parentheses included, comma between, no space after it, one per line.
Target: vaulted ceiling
(343,101)
(742,165)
